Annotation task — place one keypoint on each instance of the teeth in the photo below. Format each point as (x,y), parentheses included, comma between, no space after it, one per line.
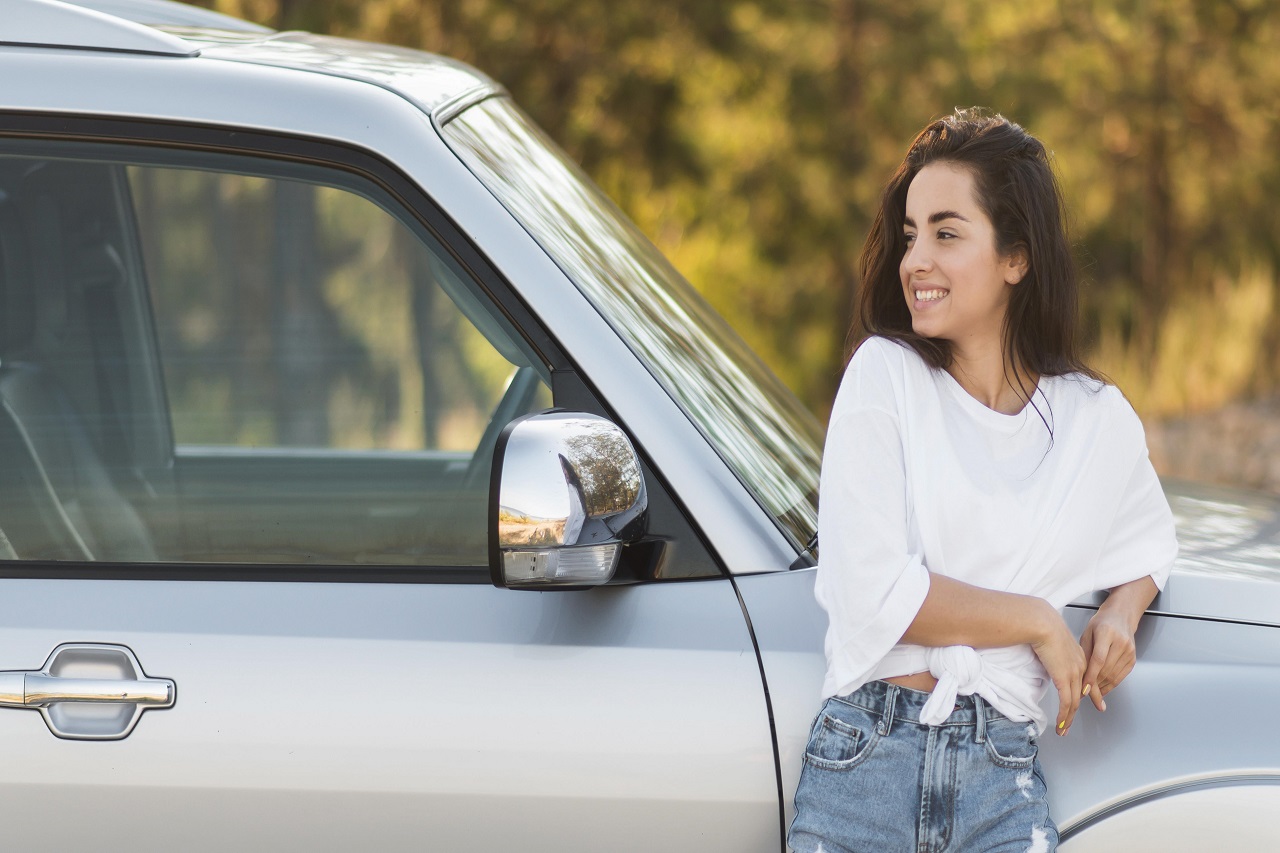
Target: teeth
(930,295)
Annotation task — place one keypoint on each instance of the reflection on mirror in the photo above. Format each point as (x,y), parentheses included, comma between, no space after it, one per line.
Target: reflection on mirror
(567,493)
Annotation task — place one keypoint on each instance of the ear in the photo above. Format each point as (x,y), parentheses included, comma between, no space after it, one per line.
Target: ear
(1016,265)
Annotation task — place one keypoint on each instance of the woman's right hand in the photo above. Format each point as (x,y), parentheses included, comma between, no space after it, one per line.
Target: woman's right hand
(1062,657)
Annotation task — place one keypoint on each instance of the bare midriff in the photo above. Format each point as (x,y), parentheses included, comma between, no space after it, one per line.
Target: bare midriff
(916,681)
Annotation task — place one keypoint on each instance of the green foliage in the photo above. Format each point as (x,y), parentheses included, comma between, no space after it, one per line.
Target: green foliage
(750,141)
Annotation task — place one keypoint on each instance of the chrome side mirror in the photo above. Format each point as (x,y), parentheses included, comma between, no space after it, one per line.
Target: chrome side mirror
(566,494)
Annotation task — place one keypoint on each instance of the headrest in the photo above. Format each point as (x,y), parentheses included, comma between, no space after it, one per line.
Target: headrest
(43,235)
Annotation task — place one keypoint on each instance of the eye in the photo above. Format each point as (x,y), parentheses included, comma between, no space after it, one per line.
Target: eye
(909,238)
(947,235)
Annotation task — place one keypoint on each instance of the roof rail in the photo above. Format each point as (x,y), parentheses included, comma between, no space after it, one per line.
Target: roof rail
(49,23)
(167,13)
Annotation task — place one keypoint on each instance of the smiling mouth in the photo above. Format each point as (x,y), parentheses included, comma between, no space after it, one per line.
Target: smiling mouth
(930,295)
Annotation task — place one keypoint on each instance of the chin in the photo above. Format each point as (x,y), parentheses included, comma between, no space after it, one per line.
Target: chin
(923,329)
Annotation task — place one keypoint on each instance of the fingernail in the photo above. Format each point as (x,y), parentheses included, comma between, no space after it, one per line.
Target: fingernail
(1087,688)
(1062,725)
(1104,704)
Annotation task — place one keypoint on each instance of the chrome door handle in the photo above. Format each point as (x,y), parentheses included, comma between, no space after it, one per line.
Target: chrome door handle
(35,689)
(88,691)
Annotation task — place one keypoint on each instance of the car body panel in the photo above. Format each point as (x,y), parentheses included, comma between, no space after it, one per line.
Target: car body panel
(426,80)
(1212,814)
(1196,684)
(449,714)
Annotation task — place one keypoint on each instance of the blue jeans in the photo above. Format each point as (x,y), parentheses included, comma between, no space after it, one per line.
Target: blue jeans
(876,780)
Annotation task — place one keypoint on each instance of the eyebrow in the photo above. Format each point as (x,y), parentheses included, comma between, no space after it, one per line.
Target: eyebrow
(935,218)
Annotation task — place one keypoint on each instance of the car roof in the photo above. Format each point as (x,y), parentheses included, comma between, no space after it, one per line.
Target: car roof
(439,86)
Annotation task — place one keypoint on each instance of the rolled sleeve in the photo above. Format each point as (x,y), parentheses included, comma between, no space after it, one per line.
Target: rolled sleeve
(868,580)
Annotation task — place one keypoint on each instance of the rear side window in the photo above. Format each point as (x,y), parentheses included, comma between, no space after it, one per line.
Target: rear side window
(217,358)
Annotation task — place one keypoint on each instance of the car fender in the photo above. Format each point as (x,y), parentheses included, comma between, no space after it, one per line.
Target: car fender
(1191,815)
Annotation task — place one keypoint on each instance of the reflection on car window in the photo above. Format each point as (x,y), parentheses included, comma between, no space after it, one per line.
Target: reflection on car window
(297,315)
(211,358)
(771,442)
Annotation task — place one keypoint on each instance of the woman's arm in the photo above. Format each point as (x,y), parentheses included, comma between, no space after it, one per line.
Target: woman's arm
(955,613)
(1108,641)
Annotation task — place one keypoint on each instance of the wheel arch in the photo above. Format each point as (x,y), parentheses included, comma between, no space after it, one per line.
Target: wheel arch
(1191,814)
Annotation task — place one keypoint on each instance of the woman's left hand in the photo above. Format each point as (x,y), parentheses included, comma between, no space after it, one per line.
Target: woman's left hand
(1110,650)
(1108,640)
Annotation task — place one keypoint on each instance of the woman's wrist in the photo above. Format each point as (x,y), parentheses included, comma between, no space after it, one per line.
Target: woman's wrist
(1042,621)
(1129,601)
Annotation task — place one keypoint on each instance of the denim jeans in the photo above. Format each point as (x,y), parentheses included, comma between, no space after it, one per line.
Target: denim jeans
(878,781)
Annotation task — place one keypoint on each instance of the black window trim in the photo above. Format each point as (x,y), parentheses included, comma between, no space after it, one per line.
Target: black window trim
(242,572)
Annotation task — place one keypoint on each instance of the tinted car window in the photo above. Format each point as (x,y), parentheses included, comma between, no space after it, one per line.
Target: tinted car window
(221,359)
(772,443)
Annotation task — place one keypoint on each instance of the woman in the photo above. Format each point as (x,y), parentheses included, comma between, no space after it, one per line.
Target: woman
(977,478)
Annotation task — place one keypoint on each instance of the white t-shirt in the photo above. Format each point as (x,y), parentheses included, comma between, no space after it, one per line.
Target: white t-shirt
(920,477)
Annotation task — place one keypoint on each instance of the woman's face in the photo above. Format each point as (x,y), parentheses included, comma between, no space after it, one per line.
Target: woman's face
(956,284)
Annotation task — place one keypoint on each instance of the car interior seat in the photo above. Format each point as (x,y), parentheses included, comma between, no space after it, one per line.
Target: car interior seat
(58,500)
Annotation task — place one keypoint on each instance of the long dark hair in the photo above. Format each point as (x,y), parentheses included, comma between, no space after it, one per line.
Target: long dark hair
(1017,190)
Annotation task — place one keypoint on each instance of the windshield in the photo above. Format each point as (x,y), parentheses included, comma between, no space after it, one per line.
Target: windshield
(771,442)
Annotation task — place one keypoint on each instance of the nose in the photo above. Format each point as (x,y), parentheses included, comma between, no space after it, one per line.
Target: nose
(917,258)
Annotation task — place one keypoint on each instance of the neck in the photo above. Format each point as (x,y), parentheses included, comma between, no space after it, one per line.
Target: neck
(990,376)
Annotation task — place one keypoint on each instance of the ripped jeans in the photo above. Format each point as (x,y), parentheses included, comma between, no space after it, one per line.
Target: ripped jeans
(876,780)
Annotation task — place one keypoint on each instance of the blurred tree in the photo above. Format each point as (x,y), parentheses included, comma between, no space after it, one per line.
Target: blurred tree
(1162,117)
(750,140)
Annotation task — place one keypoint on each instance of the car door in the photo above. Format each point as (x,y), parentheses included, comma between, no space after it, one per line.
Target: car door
(249,400)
